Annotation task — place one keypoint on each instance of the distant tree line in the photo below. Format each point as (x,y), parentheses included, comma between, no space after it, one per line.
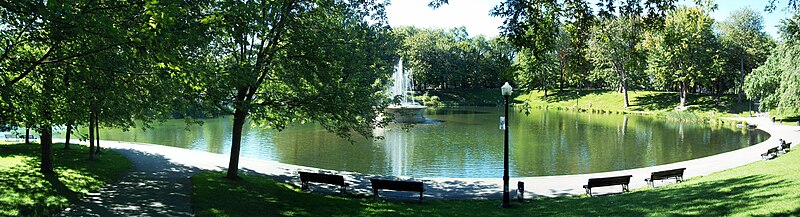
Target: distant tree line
(643,45)
(450,58)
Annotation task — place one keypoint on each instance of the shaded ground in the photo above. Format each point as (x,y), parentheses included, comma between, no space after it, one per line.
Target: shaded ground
(766,188)
(24,191)
(155,187)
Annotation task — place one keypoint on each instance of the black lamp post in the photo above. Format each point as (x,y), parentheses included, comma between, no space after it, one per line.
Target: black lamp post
(506,89)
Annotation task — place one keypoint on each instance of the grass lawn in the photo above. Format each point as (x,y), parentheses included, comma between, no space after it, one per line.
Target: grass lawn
(766,188)
(26,192)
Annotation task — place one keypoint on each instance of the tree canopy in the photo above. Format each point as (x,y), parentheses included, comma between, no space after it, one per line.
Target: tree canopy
(279,62)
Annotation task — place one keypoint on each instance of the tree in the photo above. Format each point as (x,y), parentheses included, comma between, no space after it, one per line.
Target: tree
(746,44)
(51,40)
(686,52)
(613,51)
(278,62)
(777,82)
(578,28)
(532,27)
(441,58)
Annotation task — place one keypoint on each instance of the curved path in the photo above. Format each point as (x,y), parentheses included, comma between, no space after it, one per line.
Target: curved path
(159,184)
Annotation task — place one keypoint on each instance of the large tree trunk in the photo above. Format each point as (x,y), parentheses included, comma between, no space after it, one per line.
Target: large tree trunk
(91,135)
(561,72)
(624,85)
(239,116)
(741,83)
(684,90)
(28,135)
(97,134)
(68,133)
(46,128)
(46,140)
(625,94)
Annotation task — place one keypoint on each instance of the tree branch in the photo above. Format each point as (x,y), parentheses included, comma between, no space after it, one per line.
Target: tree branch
(30,68)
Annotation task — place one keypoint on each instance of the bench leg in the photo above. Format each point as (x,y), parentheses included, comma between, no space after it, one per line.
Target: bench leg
(303,185)
(343,189)
(420,196)
(589,191)
(375,193)
(625,188)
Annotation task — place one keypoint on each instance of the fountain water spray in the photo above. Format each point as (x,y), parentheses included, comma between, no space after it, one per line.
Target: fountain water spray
(408,110)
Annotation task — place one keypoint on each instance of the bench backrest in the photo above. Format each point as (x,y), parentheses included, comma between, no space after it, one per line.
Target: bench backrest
(322,178)
(397,185)
(609,181)
(786,145)
(667,174)
(772,150)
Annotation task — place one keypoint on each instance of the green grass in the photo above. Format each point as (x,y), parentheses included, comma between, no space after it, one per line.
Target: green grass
(26,192)
(463,97)
(767,188)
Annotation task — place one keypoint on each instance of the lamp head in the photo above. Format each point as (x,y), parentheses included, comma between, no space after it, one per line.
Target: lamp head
(506,88)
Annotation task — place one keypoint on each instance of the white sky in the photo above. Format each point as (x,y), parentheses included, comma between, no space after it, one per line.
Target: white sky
(474,14)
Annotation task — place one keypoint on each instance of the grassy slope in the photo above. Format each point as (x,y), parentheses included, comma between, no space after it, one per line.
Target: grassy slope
(759,189)
(704,107)
(26,192)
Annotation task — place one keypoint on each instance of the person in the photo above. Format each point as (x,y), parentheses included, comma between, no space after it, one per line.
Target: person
(773,119)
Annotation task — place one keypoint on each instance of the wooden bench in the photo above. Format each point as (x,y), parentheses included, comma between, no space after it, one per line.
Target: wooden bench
(378,184)
(677,174)
(9,137)
(306,177)
(609,181)
(771,153)
(784,148)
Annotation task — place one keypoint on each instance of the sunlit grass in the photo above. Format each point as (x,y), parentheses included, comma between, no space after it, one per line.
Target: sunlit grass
(26,192)
(759,189)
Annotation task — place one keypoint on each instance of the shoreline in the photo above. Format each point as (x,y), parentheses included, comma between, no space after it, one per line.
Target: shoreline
(480,188)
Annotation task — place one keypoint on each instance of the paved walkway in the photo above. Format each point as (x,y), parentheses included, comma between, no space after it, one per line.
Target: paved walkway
(159,183)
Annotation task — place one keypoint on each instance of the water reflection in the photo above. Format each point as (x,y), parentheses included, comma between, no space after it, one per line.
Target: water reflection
(466,142)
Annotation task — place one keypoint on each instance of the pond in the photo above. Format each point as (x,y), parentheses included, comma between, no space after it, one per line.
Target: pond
(466,142)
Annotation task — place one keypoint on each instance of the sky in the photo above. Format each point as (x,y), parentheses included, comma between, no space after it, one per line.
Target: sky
(474,14)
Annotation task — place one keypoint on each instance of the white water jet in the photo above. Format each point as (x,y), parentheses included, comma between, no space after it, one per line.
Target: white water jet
(408,110)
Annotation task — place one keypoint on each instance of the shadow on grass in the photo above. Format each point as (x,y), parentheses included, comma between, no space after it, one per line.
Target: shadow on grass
(655,101)
(669,100)
(24,191)
(712,198)
(716,198)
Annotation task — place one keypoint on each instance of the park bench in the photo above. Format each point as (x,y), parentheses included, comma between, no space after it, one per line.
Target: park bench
(609,181)
(378,184)
(676,174)
(770,154)
(784,148)
(31,138)
(306,177)
(10,137)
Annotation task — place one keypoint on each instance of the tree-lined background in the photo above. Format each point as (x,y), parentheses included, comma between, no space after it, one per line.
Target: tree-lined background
(276,62)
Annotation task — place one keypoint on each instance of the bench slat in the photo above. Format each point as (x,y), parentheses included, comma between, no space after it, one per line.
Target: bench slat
(667,174)
(397,186)
(608,181)
(306,177)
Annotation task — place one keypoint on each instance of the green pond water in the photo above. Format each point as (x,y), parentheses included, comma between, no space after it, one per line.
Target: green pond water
(467,142)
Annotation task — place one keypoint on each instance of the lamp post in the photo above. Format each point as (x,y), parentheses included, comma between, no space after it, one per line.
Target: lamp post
(506,89)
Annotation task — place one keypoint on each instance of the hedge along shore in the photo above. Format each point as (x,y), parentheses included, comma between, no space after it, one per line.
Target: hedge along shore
(187,162)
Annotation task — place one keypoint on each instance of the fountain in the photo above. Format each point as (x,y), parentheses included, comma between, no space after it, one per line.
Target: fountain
(407,111)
